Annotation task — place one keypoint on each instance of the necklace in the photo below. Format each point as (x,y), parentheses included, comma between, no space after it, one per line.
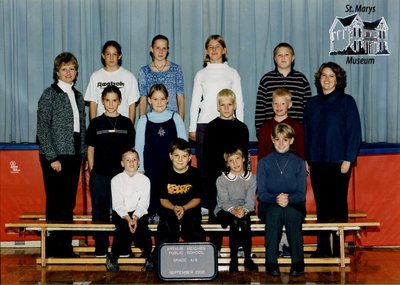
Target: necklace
(160,68)
(113,130)
(281,170)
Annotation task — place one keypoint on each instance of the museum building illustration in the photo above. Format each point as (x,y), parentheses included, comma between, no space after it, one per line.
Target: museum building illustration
(351,35)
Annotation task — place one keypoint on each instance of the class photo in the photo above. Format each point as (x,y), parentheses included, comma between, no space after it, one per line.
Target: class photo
(199,141)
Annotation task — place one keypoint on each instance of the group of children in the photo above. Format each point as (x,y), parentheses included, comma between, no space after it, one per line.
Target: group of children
(146,176)
(177,186)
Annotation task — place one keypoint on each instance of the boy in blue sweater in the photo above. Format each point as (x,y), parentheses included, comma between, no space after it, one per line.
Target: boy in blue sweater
(281,182)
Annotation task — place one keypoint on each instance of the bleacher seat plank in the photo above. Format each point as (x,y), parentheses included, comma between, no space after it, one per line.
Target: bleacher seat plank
(221,260)
(90,260)
(221,267)
(87,217)
(224,250)
(45,226)
(42,216)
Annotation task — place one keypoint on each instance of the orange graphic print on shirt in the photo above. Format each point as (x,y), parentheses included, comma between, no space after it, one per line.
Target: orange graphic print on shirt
(178,189)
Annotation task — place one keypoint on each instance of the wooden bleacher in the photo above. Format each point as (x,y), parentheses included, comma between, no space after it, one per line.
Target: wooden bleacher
(34,222)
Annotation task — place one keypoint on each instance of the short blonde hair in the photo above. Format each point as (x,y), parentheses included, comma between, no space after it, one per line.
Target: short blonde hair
(283,129)
(227,93)
(282,92)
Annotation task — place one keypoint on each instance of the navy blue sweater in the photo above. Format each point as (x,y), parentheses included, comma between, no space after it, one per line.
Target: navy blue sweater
(332,128)
(271,182)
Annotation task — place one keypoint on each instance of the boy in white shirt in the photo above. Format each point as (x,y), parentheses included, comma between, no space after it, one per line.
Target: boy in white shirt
(130,199)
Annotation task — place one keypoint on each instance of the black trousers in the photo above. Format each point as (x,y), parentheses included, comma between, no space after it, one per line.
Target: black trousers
(239,232)
(170,229)
(276,217)
(100,193)
(61,188)
(330,188)
(123,237)
(200,132)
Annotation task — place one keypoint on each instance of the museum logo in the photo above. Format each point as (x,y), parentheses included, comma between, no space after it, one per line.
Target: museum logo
(361,41)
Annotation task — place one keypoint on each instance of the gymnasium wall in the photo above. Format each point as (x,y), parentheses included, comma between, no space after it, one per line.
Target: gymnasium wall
(374,188)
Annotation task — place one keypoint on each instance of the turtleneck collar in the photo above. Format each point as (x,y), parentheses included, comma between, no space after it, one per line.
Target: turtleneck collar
(281,155)
(216,65)
(65,86)
(329,95)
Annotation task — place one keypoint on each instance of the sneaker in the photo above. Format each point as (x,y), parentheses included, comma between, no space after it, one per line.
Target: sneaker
(127,255)
(204,211)
(285,251)
(154,219)
(250,265)
(100,255)
(149,264)
(240,251)
(112,263)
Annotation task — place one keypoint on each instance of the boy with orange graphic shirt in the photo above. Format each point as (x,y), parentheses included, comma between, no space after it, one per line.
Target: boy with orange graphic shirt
(179,188)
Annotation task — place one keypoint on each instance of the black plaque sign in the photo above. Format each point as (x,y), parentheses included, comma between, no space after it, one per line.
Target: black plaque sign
(187,261)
